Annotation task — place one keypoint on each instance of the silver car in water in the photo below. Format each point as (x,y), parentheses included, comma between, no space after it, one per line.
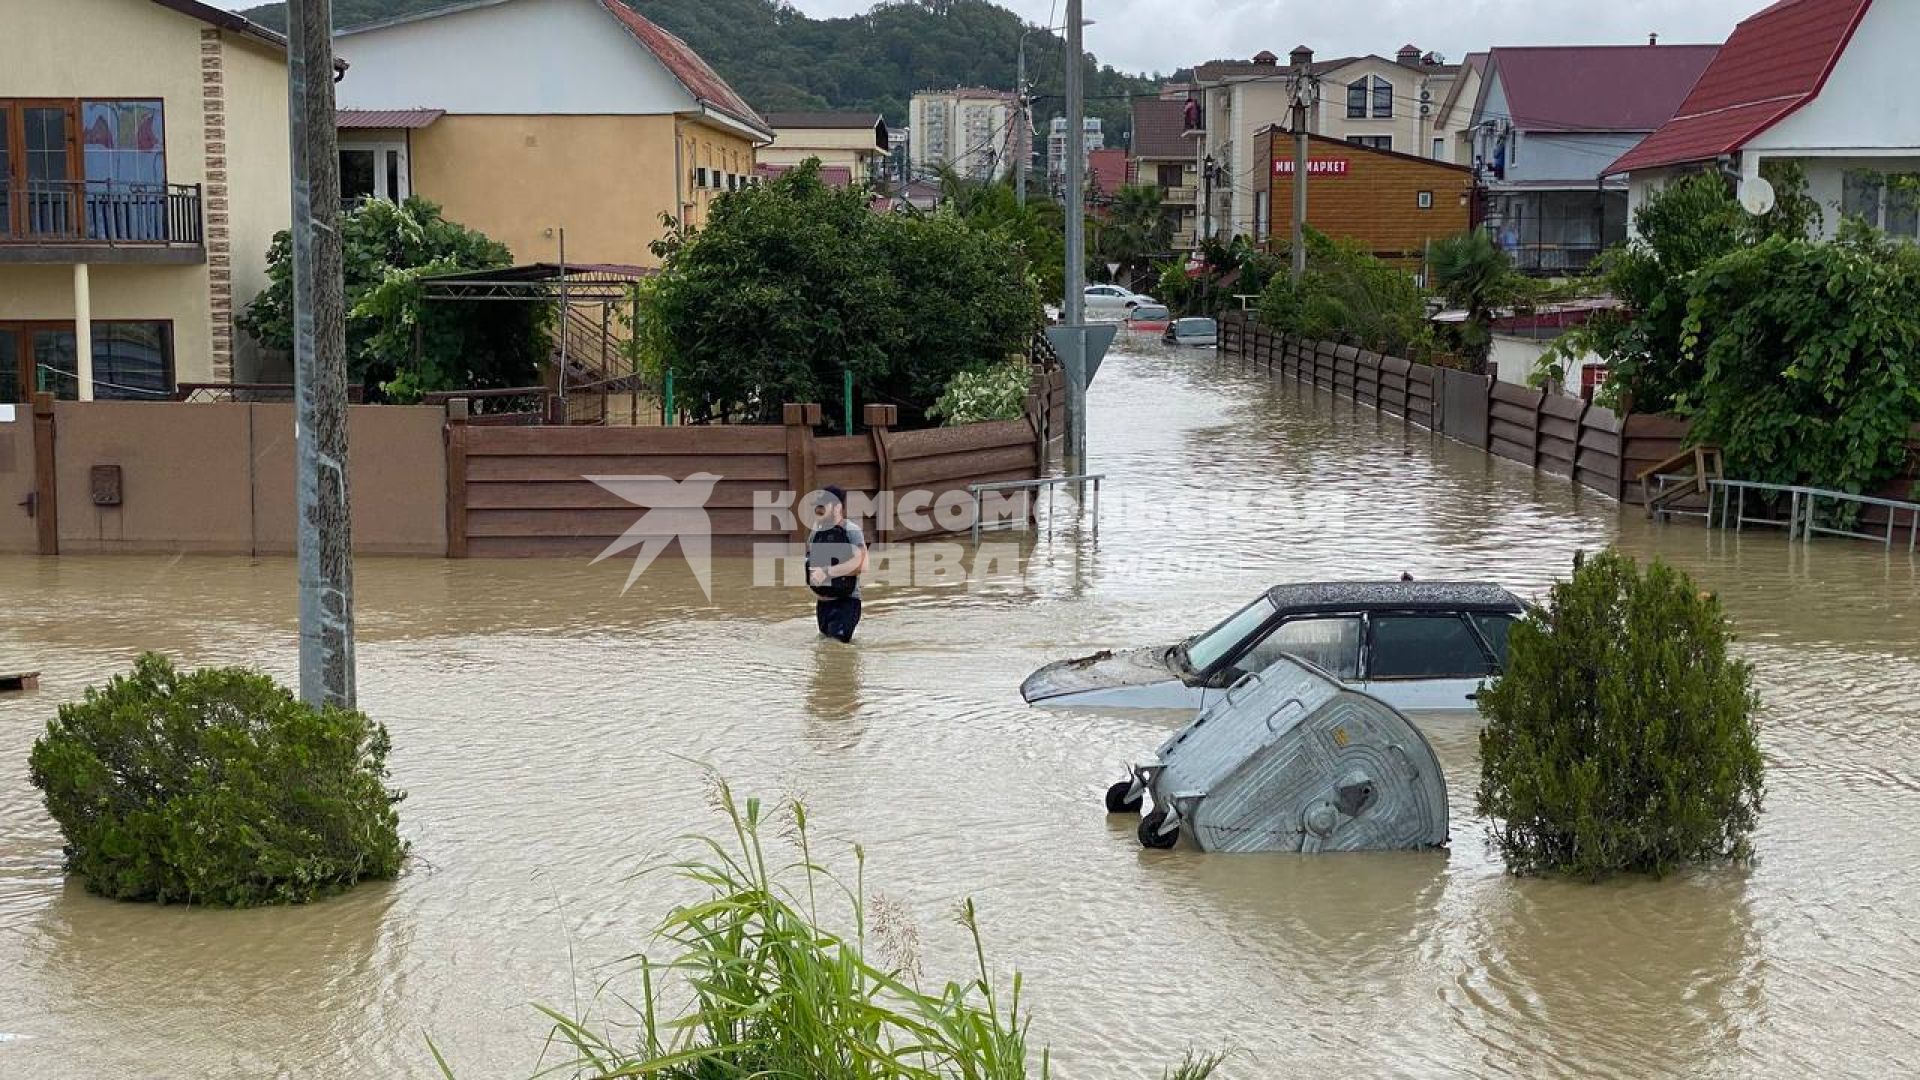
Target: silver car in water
(1419,646)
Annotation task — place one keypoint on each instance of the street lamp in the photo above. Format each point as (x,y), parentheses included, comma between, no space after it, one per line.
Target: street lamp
(1026,106)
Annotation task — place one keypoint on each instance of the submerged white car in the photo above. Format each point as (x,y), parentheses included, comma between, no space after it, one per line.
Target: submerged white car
(1419,646)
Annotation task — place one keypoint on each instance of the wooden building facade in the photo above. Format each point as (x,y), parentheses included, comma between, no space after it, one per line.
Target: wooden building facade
(1393,204)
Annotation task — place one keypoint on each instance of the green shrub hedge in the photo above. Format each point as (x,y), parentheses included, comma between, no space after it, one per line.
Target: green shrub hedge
(1622,736)
(217,787)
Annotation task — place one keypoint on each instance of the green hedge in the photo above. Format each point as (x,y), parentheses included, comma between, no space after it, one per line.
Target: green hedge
(217,787)
(1622,736)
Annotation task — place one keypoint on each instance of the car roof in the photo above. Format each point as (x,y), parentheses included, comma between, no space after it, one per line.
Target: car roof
(1371,595)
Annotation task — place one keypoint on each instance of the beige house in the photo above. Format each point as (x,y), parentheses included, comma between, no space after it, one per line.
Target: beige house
(525,119)
(1452,135)
(1163,160)
(1368,100)
(143,173)
(853,143)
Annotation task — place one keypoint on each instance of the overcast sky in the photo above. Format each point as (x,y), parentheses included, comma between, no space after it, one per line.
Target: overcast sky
(1162,35)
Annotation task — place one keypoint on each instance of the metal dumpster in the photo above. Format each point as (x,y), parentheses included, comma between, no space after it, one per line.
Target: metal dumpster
(1291,760)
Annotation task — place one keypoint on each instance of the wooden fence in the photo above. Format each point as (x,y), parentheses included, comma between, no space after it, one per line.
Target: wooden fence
(1559,435)
(520,492)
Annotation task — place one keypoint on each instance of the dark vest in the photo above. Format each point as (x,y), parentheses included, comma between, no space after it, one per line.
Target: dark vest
(824,548)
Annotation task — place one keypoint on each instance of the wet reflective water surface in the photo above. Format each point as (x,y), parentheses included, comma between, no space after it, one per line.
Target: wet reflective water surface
(548,730)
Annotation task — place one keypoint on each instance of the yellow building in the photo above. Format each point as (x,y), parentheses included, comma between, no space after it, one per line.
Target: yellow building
(851,147)
(143,172)
(525,119)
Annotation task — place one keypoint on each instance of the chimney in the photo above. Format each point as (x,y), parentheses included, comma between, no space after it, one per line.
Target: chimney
(1265,58)
(1301,56)
(1408,55)
(1653,39)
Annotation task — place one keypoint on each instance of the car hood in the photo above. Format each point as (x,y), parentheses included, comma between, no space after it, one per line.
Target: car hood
(1104,670)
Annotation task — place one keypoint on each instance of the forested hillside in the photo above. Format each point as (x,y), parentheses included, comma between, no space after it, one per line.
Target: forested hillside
(780,59)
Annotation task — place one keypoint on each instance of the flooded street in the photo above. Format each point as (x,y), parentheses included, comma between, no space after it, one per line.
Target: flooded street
(549,732)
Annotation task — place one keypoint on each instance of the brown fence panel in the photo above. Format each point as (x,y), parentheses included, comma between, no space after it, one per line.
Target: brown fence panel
(930,469)
(528,492)
(1597,464)
(1346,360)
(1646,439)
(1558,445)
(1461,406)
(1513,414)
(1420,391)
(1323,363)
(1366,383)
(1393,384)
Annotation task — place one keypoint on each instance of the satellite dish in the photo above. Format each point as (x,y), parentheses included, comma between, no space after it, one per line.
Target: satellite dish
(1756,195)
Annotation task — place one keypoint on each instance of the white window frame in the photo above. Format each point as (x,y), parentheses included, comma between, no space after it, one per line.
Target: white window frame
(380,148)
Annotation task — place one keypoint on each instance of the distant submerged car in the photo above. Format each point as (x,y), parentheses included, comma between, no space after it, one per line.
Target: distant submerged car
(1149,319)
(1419,646)
(1195,332)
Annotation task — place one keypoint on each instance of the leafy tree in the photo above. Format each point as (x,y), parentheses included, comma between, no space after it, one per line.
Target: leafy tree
(1621,737)
(1137,229)
(1038,227)
(793,284)
(1809,359)
(1473,273)
(217,787)
(398,345)
(1348,295)
(1681,229)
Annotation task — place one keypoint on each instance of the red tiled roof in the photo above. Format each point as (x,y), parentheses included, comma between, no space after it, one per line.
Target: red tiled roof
(365,119)
(1159,125)
(1107,168)
(1775,62)
(704,83)
(838,176)
(1596,87)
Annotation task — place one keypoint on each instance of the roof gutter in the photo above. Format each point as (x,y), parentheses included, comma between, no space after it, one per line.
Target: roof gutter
(225,20)
(760,136)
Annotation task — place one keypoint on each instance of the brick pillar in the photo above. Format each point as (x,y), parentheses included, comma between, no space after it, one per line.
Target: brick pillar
(213,100)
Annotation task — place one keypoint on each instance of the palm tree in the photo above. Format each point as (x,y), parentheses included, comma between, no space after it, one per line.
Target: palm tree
(1472,272)
(1137,229)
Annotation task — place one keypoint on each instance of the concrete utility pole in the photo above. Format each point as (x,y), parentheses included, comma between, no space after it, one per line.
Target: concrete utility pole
(1073,307)
(1024,122)
(1303,97)
(319,364)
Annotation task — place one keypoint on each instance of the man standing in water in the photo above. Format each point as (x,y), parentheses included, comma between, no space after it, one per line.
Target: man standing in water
(836,556)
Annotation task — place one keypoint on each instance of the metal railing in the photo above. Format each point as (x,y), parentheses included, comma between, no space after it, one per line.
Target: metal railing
(1049,483)
(1803,505)
(1554,258)
(263,393)
(99,212)
(505,406)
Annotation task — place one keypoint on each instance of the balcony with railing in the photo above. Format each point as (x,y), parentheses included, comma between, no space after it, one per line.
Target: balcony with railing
(1178,196)
(100,221)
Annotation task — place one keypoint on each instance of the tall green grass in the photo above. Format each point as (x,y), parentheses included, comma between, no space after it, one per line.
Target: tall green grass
(766,992)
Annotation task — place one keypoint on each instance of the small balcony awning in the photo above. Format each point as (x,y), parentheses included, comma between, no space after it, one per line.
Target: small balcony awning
(385,119)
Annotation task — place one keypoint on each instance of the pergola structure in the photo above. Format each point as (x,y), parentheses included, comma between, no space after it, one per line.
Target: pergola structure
(586,358)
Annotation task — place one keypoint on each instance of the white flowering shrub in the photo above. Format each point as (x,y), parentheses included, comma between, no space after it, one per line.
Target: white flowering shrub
(995,392)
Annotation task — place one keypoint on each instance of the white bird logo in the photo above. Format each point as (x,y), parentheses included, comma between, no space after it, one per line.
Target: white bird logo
(676,509)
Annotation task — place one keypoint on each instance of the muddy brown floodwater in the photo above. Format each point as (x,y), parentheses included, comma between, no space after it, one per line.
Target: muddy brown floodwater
(546,727)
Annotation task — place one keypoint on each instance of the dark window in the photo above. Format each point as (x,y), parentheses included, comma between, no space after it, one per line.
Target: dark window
(1357,100)
(48,354)
(1377,142)
(132,361)
(1495,626)
(1171,174)
(1425,647)
(358,179)
(1382,99)
(11,392)
(1331,643)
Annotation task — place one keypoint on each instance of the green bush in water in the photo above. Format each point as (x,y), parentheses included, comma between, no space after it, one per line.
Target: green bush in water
(1621,736)
(217,787)
(776,995)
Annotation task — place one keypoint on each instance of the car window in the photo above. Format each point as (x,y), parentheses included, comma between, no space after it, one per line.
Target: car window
(1331,643)
(1147,312)
(1205,650)
(1101,290)
(1495,626)
(1196,326)
(1425,647)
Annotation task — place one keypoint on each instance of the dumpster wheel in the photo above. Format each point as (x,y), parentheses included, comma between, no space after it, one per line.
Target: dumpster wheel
(1152,837)
(1119,803)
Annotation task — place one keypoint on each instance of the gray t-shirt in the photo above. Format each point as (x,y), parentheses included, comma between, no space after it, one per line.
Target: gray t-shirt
(856,539)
